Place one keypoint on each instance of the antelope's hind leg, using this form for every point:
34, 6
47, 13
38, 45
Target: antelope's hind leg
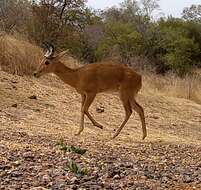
140, 111
128, 110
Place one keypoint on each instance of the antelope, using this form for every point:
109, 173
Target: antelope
95, 78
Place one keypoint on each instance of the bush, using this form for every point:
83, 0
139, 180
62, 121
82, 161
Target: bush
177, 49
120, 39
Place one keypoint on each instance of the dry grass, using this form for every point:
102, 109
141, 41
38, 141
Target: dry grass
171, 85
18, 56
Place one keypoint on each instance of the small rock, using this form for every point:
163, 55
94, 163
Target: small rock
129, 165
112, 172
14, 87
22, 134
74, 180
16, 163
3, 79
14, 106
16, 174
14, 81
143, 177
28, 155
38, 188
100, 109
187, 179
33, 97
116, 177
36, 110
45, 179
154, 116
2, 174
73, 187
165, 179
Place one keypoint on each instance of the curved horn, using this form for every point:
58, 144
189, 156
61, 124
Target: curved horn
50, 50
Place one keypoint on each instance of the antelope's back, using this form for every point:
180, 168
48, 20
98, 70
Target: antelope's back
105, 76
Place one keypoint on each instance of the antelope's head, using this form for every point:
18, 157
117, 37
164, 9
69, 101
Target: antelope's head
50, 61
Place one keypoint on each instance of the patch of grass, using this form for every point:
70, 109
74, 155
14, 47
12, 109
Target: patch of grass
74, 168
65, 148
18, 56
77, 150
172, 85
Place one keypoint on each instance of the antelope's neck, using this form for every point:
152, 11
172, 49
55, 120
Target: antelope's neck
66, 74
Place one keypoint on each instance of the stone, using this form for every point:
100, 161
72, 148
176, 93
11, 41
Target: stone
14, 105
117, 177
33, 97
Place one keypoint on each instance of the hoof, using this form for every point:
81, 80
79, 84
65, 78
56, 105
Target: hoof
101, 127
143, 137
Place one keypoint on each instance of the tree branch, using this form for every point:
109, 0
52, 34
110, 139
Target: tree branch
63, 8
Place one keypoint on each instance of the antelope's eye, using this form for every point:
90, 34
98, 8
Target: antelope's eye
47, 62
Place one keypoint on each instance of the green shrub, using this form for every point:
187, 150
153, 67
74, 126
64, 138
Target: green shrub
74, 168
65, 148
120, 39
177, 48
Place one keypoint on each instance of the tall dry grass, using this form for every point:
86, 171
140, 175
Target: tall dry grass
174, 86
18, 56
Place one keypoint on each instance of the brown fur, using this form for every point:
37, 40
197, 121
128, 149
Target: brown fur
99, 77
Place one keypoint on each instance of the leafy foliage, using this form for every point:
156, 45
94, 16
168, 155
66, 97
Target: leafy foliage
192, 13
121, 37
178, 48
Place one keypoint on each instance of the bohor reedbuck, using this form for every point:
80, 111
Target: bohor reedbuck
91, 79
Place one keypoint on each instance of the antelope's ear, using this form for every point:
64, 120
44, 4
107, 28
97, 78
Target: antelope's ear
60, 55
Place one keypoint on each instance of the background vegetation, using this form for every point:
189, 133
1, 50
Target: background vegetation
130, 33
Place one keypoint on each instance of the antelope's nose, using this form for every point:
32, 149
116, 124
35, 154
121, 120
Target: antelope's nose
35, 74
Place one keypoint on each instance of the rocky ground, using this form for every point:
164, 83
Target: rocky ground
37, 114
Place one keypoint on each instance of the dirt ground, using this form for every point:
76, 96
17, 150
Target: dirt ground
36, 113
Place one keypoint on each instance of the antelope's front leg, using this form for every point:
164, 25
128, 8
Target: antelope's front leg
82, 116
81, 124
